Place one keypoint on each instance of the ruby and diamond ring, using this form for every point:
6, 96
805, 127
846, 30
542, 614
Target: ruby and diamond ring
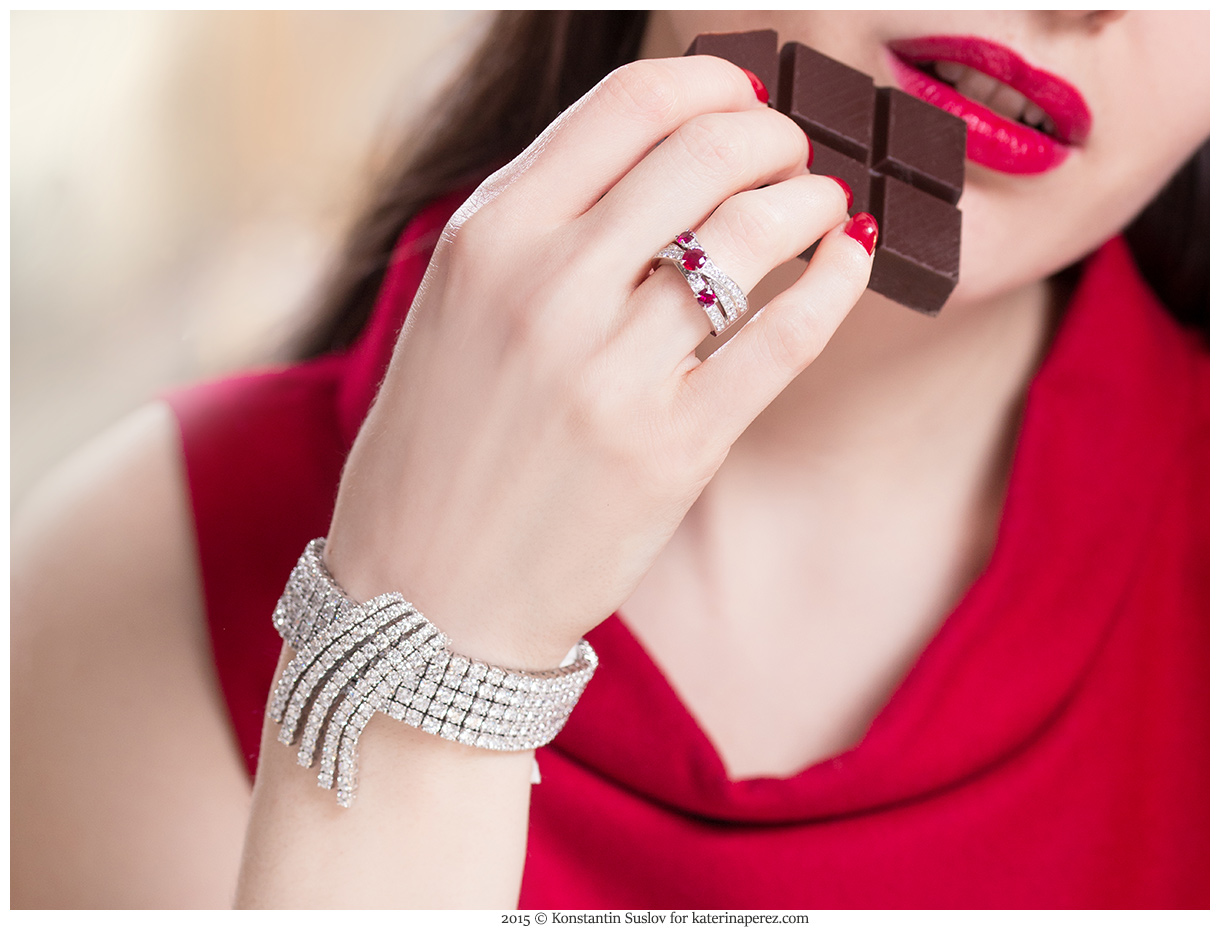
718, 294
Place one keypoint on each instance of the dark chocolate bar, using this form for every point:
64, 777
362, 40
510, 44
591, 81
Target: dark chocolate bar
904, 159
830, 101
919, 144
754, 51
917, 253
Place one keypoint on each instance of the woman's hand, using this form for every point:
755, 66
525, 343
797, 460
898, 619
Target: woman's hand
543, 428
545, 423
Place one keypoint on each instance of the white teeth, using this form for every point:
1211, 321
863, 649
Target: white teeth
977, 86
1001, 98
1033, 114
950, 71
1007, 102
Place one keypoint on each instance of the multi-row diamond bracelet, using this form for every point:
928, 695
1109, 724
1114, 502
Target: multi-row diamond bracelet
355, 659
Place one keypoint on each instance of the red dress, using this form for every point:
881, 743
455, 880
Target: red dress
1048, 749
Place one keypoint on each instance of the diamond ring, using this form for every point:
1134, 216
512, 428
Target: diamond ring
717, 293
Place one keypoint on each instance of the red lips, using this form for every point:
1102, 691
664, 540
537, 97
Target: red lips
992, 140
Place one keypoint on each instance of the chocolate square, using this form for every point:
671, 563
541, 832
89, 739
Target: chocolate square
920, 144
917, 253
829, 161
830, 101
755, 51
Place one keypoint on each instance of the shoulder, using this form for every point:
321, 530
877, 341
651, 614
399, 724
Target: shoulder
123, 486
111, 515
120, 741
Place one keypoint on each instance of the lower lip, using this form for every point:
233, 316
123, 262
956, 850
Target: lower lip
992, 141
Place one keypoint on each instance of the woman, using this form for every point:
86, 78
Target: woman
913, 616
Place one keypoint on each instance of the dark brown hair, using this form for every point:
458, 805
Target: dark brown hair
534, 64
530, 68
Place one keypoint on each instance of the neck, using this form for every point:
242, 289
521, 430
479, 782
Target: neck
895, 444
844, 525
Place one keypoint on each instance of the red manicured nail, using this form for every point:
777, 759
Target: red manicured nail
846, 188
863, 228
809, 163
760, 89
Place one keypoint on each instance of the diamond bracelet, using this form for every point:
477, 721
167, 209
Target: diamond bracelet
355, 659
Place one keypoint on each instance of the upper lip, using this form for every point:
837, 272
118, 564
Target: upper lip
1062, 102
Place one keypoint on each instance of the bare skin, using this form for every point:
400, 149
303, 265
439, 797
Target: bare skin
130, 791
855, 575
134, 494
878, 472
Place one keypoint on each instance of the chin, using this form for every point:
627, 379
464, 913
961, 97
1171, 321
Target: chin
1011, 247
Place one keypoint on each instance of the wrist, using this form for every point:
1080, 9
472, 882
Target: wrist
355, 659
484, 626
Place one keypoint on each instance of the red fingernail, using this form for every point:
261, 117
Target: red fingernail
760, 89
809, 163
863, 228
846, 188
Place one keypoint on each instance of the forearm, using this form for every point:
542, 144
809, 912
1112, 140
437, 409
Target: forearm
436, 824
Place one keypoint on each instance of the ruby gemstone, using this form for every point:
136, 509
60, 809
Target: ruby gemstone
686, 238
706, 297
693, 259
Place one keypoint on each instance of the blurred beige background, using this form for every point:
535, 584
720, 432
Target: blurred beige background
178, 183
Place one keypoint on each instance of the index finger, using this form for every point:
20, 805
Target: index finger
598, 139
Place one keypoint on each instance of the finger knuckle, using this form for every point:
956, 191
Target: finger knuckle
643, 89
752, 226
471, 236
794, 338
714, 145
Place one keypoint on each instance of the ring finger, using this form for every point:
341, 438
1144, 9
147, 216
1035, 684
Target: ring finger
746, 237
